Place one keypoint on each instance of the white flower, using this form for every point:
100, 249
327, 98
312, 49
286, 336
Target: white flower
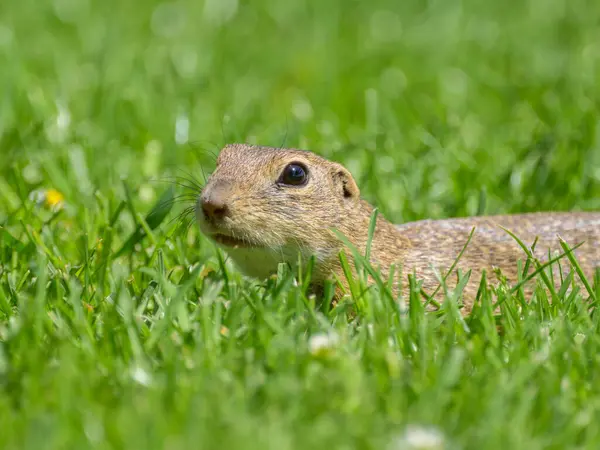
417, 437
182, 129
370, 330
93, 428
147, 194
141, 376
322, 343
63, 118
302, 109
579, 338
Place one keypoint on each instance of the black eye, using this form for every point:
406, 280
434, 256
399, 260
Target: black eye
294, 174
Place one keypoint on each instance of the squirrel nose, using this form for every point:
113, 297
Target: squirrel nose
214, 209
214, 201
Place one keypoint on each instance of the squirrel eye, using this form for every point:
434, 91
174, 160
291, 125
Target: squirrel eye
294, 174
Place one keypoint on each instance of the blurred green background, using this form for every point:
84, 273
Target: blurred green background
439, 108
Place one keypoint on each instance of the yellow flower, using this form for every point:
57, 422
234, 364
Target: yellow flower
50, 198
54, 198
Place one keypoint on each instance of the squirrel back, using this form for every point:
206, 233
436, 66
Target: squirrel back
438, 243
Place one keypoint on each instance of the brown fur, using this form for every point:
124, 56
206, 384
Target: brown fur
275, 223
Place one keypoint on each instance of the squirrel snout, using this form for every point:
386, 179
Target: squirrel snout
213, 210
214, 202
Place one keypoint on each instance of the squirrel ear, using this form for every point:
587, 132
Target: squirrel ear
345, 183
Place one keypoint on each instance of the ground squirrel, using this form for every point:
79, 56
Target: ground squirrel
266, 206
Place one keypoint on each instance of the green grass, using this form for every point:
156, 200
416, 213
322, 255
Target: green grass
439, 108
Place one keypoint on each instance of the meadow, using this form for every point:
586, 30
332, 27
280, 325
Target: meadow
122, 327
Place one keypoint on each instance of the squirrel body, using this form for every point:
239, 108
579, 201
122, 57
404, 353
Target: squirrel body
266, 206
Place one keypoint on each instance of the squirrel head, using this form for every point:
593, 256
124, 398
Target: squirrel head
266, 206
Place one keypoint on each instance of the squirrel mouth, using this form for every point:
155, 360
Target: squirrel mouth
230, 241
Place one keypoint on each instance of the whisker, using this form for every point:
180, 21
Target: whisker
187, 195
203, 174
184, 215
191, 179
287, 127
196, 146
189, 210
191, 186
223, 131
191, 182
179, 199
189, 225
178, 183
183, 225
172, 202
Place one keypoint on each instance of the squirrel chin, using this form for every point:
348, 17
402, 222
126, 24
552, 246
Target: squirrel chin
233, 242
